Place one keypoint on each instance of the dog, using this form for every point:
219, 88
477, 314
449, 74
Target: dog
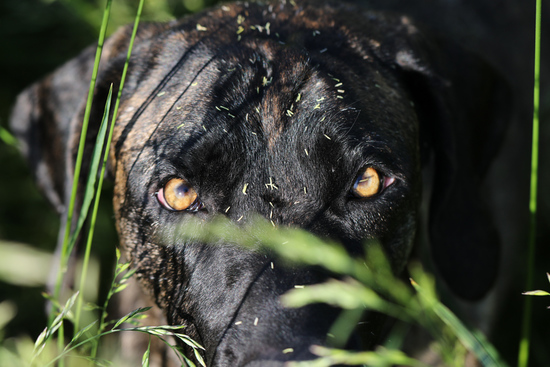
313, 115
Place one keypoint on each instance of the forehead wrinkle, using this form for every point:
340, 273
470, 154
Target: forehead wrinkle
150, 138
280, 100
140, 152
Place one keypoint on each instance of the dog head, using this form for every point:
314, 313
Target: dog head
317, 117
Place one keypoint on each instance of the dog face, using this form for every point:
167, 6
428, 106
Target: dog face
313, 117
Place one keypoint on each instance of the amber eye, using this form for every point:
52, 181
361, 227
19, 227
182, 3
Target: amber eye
178, 195
368, 184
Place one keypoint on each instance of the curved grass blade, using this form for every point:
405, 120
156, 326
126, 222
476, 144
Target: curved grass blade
7, 137
381, 357
89, 194
484, 352
145, 358
131, 315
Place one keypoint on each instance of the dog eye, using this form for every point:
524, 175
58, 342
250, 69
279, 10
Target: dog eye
178, 195
370, 183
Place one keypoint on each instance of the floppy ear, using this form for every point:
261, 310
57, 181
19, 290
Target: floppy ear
47, 120
463, 107
465, 135
47, 117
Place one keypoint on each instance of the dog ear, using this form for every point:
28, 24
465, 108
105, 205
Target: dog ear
47, 118
465, 133
463, 106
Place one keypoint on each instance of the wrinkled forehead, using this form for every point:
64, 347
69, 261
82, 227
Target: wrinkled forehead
260, 91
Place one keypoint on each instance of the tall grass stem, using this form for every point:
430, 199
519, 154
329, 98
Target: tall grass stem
76, 176
115, 112
523, 356
78, 164
100, 146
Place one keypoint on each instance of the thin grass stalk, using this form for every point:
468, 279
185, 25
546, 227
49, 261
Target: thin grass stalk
523, 356
78, 164
100, 146
109, 139
168, 331
124, 71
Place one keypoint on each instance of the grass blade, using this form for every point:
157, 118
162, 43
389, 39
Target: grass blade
115, 113
523, 355
48, 332
145, 358
7, 138
382, 357
88, 196
467, 338
131, 315
78, 164
536, 293
484, 352
84, 330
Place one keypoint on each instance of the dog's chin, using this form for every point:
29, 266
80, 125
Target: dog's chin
239, 292
235, 351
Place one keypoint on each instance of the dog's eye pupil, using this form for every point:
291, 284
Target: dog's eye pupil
367, 184
177, 194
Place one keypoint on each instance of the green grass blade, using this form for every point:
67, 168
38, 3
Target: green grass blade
484, 352
7, 138
199, 358
145, 358
348, 295
88, 196
376, 290
523, 355
157, 331
131, 315
84, 330
56, 324
125, 70
115, 113
536, 293
78, 164
90, 189
381, 357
